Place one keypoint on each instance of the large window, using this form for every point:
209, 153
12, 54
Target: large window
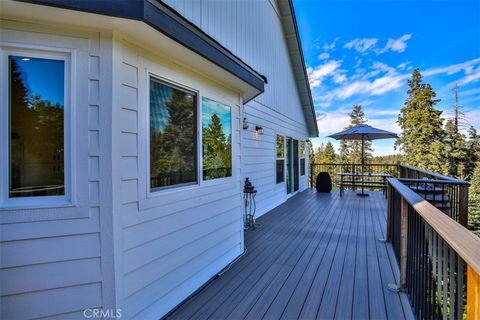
173, 150
280, 162
302, 158
216, 140
36, 127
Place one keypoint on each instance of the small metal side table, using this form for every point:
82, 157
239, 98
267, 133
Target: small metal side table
250, 207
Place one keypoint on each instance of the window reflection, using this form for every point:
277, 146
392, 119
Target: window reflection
217, 140
36, 127
172, 136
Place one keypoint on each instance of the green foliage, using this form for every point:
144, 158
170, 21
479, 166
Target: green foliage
455, 150
173, 150
351, 150
421, 140
472, 153
217, 150
325, 154
474, 201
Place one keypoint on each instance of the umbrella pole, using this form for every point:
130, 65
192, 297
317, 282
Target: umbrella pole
363, 194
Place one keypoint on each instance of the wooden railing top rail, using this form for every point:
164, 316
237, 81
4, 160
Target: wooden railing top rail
463, 241
354, 164
456, 181
433, 174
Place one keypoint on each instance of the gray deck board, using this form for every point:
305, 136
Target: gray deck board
317, 256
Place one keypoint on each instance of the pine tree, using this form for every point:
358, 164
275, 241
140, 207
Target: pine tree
455, 150
472, 153
474, 201
455, 142
329, 155
421, 140
351, 150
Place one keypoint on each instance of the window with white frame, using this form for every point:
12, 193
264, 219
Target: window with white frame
34, 128
280, 159
173, 135
216, 139
302, 158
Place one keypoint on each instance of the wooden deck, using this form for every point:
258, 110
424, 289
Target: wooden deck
315, 256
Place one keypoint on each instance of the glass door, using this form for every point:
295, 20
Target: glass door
289, 165
295, 165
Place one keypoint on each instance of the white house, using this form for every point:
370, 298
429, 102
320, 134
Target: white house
127, 130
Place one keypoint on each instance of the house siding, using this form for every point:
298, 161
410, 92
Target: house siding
50, 264
252, 30
174, 243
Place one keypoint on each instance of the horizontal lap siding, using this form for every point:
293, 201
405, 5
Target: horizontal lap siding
52, 268
172, 247
252, 30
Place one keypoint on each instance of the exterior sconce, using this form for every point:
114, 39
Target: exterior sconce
245, 123
259, 129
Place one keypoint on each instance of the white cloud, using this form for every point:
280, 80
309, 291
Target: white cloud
361, 45
339, 78
324, 56
317, 74
376, 87
466, 67
396, 45
330, 46
403, 65
472, 77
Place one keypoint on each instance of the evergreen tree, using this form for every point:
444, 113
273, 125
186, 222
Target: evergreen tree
351, 150
472, 152
474, 201
455, 144
328, 155
311, 152
217, 158
455, 149
421, 139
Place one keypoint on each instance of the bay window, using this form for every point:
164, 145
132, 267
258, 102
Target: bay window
173, 138
216, 140
35, 125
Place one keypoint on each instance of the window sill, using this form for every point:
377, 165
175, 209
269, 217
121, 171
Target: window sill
35, 209
158, 198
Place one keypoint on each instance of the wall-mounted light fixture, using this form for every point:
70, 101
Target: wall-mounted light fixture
245, 123
259, 129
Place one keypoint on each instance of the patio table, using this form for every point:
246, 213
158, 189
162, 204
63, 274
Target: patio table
364, 181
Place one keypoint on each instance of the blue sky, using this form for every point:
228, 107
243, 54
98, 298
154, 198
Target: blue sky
43, 77
365, 51
210, 107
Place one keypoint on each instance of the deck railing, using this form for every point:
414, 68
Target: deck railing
333, 169
439, 258
448, 194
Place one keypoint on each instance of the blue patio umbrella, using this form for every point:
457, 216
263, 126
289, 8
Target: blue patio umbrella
363, 132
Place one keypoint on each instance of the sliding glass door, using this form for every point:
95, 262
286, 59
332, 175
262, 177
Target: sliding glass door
295, 165
292, 165
289, 165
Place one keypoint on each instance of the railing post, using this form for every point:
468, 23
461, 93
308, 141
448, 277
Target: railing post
473, 294
463, 205
403, 243
389, 211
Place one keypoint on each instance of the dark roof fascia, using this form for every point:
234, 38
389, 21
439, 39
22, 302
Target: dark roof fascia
297, 36
167, 21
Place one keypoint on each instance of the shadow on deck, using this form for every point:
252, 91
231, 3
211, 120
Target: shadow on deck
315, 256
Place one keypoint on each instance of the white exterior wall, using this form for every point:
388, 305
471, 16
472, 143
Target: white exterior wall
54, 261
252, 30
172, 241
118, 247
